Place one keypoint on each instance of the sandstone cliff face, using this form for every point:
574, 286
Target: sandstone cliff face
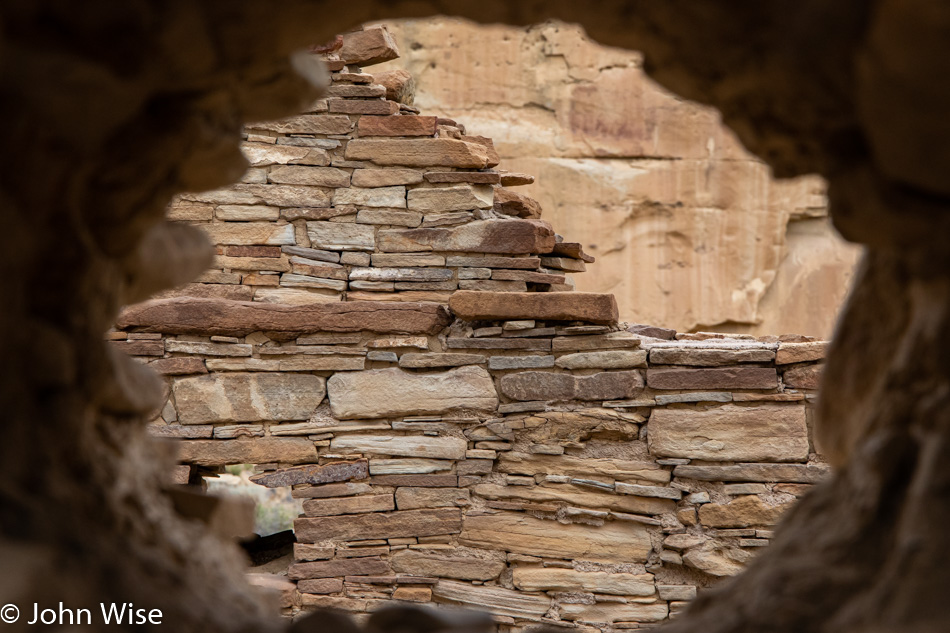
689, 229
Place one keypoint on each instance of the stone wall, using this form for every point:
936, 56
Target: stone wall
655, 186
390, 330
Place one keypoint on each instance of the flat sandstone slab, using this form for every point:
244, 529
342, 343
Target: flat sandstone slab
240, 318
247, 397
768, 433
542, 306
422, 152
522, 534
483, 236
259, 450
379, 525
713, 378
381, 393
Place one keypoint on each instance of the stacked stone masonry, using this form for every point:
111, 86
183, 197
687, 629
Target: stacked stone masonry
389, 329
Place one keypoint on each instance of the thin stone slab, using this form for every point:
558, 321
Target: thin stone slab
425, 152
402, 446
349, 505
713, 378
608, 359
313, 474
446, 565
768, 473
380, 525
434, 360
768, 433
500, 363
443, 199
495, 600
483, 236
550, 386
553, 579
341, 235
259, 450
240, 318
542, 306
708, 357
338, 567
539, 345
701, 396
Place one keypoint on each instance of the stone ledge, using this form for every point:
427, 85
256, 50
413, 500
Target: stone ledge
544, 306
239, 318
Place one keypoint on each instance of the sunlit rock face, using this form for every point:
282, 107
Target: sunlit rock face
690, 230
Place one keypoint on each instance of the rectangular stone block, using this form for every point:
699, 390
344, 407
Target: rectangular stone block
495, 600
313, 474
483, 236
249, 233
542, 306
388, 197
714, 378
377, 525
432, 360
338, 567
385, 177
553, 579
368, 46
397, 126
381, 393
593, 468
526, 263
708, 357
260, 450
447, 564
408, 466
348, 505
609, 359
341, 236
499, 363
307, 124
403, 446
536, 385
425, 152
575, 496
771, 473
768, 432
417, 481
444, 199
402, 274
614, 612
414, 498
624, 542
247, 397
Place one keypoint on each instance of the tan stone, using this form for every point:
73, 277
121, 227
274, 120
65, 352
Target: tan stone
246, 213
428, 152
708, 357
368, 47
393, 197
586, 467
308, 124
573, 495
485, 236
249, 233
800, 352
399, 84
413, 498
717, 561
259, 450
379, 525
321, 585
794, 473
397, 126
614, 612
313, 474
341, 236
617, 359
444, 199
713, 378
233, 318
519, 533
540, 385
768, 432
553, 579
808, 377
247, 397
495, 600
306, 175
382, 393
553, 306
745, 511
340, 567
509, 202
348, 505
401, 446
385, 177
446, 565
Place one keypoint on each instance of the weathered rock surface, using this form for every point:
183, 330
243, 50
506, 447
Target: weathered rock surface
553, 579
714, 378
613, 612
539, 385
247, 397
617, 359
742, 512
261, 450
522, 534
313, 474
238, 318
488, 236
554, 306
427, 152
343, 567
379, 525
731, 433
410, 446
446, 565
496, 600
388, 392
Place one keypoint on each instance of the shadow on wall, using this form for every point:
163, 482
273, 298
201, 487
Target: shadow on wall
689, 229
